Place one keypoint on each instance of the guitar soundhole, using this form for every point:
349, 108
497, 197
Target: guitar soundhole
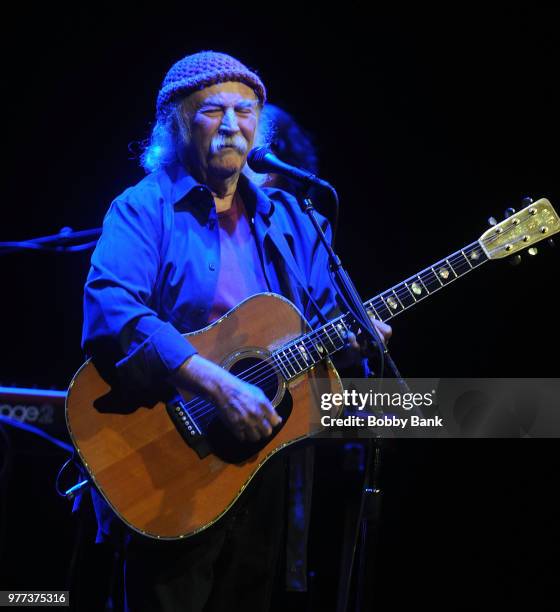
260, 373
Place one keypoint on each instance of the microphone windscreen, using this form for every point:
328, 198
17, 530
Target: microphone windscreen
256, 159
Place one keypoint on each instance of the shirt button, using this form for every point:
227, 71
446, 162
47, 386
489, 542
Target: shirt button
212, 266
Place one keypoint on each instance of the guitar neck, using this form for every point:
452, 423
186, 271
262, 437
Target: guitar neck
414, 289
300, 355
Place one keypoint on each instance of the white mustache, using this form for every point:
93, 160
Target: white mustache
236, 142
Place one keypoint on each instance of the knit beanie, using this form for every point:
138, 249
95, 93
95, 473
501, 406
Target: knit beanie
201, 70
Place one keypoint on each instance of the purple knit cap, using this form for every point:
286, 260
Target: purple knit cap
201, 70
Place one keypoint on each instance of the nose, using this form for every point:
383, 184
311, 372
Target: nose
229, 123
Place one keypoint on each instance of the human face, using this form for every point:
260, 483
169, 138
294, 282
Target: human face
222, 120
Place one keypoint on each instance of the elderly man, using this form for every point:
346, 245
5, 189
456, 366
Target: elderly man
178, 250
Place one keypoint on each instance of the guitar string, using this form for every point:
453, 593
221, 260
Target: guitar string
454, 260
267, 366
203, 407
322, 335
198, 410
400, 291
457, 259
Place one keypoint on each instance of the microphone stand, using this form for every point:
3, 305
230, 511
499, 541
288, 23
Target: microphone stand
55, 242
350, 297
369, 507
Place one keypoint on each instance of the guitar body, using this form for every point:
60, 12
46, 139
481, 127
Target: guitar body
139, 458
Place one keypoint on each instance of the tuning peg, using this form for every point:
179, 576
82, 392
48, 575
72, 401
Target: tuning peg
551, 242
492, 221
515, 260
508, 212
526, 200
533, 251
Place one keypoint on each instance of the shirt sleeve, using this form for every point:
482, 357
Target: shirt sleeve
121, 330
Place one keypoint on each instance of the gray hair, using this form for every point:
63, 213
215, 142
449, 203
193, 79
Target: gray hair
169, 133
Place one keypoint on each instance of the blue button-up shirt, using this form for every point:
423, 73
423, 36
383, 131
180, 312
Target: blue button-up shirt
154, 272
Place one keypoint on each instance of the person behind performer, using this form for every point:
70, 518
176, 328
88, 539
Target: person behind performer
287, 140
293, 144
178, 250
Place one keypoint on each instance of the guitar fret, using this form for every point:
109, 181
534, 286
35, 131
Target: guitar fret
402, 305
459, 259
404, 295
321, 351
466, 258
277, 358
330, 339
461, 268
391, 304
287, 364
294, 357
312, 346
375, 314
341, 323
420, 279
303, 353
476, 256
452, 270
320, 347
410, 291
335, 327
341, 330
430, 280
300, 355
290, 364
436, 275
384, 316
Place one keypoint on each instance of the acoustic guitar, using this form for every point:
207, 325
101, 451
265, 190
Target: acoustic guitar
171, 469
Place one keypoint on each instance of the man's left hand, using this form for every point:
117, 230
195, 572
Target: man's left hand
355, 348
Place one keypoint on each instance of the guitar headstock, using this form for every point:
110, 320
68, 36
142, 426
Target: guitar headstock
522, 229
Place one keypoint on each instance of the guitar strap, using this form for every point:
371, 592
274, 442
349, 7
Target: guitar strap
281, 244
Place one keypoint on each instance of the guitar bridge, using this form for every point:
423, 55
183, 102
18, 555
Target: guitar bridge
187, 426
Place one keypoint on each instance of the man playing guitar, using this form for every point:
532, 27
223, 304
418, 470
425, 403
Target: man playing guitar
178, 251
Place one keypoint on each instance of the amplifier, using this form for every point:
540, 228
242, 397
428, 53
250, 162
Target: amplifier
42, 408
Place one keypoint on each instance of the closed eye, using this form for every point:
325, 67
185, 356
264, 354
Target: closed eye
211, 110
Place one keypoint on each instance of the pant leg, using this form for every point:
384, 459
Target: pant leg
171, 576
246, 569
230, 566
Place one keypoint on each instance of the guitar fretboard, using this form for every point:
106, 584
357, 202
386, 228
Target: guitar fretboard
308, 350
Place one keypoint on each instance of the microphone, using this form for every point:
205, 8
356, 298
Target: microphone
262, 160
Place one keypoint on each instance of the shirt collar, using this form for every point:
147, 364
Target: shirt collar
254, 198
186, 191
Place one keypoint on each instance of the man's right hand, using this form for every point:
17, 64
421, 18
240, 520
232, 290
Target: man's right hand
243, 407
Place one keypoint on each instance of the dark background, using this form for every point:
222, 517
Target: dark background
427, 124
